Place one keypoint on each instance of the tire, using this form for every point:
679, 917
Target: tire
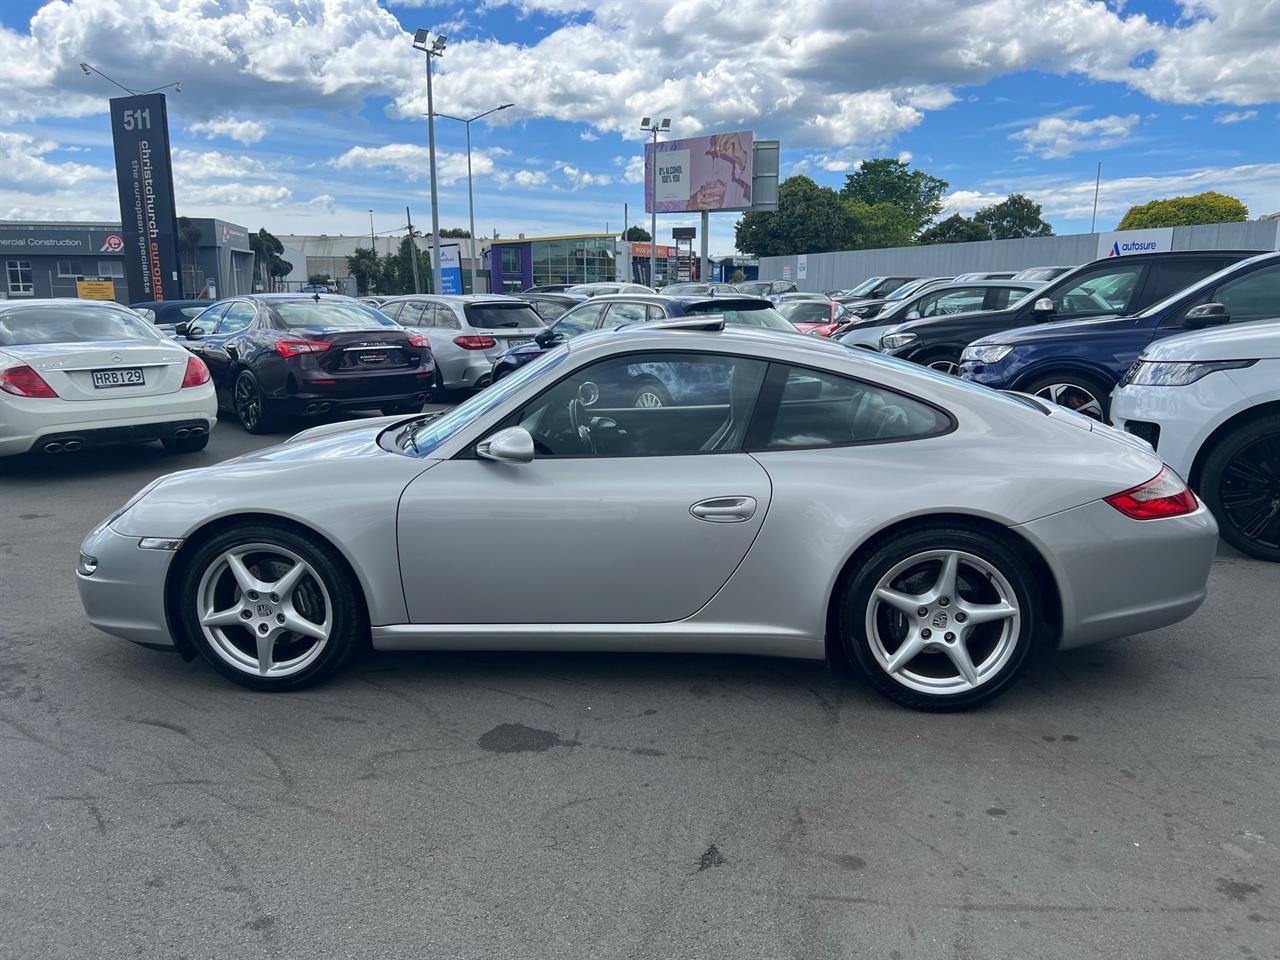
910, 564
942, 362
1075, 391
396, 409
1240, 483
250, 405
268, 553
649, 393
186, 444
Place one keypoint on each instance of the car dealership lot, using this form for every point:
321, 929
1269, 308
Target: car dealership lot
1121, 800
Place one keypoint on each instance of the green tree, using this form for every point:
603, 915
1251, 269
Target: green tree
364, 266
955, 229
809, 219
1014, 217
268, 265
637, 234
1207, 207
888, 180
874, 225
456, 233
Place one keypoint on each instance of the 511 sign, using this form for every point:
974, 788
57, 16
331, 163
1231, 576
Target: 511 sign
137, 119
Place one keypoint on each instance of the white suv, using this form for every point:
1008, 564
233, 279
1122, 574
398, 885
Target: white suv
1209, 402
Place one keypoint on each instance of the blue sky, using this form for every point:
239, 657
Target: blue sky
302, 115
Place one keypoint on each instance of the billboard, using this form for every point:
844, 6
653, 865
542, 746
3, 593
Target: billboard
699, 173
451, 268
144, 179
1119, 243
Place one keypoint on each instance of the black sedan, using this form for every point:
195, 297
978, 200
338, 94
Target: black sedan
167, 314
276, 355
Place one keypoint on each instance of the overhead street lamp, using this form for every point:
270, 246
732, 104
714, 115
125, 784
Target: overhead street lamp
435, 49
471, 197
89, 70
650, 127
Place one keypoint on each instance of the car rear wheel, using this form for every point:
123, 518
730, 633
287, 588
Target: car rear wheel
1240, 483
270, 607
250, 405
186, 444
650, 393
940, 617
1075, 391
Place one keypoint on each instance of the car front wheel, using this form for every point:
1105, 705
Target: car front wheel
940, 617
270, 607
1240, 483
1075, 391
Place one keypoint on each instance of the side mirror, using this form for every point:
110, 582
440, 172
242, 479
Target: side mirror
545, 338
1206, 315
181, 329
1042, 307
512, 445
913, 315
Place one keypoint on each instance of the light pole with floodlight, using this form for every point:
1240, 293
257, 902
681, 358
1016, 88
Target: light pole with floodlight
89, 70
653, 128
436, 49
471, 197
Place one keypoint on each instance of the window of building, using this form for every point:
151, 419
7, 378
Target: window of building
66, 269
21, 282
111, 268
511, 260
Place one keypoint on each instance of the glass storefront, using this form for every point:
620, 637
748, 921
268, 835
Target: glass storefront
573, 260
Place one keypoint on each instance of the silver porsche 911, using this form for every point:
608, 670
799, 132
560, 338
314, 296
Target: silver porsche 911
786, 497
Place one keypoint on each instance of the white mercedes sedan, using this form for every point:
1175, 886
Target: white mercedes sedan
80, 373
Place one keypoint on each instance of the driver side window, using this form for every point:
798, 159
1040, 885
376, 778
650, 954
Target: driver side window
645, 405
578, 320
205, 324
1105, 291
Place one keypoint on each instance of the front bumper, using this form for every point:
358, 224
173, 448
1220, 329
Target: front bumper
997, 376
124, 596
1118, 576
1185, 415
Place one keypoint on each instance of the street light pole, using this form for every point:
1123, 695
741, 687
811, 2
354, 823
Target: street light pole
89, 69
471, 197
435, 50
653, 129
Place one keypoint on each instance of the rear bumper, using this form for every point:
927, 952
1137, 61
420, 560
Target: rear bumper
338, 391
26, 423
124, 596
1118, 576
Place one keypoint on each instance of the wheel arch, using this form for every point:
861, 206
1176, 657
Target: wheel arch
1075, 365
1046, 583
1270, 408
211, 528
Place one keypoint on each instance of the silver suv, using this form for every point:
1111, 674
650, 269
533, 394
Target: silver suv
467, 334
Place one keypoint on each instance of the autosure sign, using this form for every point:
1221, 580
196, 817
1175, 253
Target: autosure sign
451, 268
1120, 243
700, 173
144, 178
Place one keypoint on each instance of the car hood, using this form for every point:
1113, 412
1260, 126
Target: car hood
1052, 330
1246, 341
926, 324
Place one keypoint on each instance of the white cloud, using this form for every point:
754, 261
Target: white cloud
588, 136
22, 164
1061, 136
529, 178
237, 194
1236, 116
244, 131
213, 165
322, 202
413, 161
579, 178
634, 171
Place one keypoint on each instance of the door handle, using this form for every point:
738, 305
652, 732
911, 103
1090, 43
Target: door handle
725, 509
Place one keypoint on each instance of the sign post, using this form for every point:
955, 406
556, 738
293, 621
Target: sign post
144, 179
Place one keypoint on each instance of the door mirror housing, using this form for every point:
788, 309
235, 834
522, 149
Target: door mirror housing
512, 445
547, 337
1042, 308
182, 329
1206, 315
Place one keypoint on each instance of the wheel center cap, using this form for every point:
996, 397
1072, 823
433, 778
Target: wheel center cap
940, 620
264, 610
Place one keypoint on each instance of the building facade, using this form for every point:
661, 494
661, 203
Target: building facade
42, 259
326, 255
524, 262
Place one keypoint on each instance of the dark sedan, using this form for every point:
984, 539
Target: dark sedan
274, 355
610, 312
167, 314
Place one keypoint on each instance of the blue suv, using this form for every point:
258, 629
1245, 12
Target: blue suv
1078, 363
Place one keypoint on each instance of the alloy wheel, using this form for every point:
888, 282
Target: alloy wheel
1073, 397
264, 610
248, 402
949, 367
647, 398
943, 622
1250, 493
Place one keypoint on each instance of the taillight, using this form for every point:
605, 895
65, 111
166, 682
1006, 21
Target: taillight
417, 340
294, 348
1164, 495
24, 382
197, 372
475, 343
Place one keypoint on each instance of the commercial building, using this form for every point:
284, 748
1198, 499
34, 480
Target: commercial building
43, 259
324, 254
524, 262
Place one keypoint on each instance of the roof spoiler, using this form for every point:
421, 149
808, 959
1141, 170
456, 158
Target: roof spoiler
708, 323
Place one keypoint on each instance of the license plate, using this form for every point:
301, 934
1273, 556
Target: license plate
371, 357
126, 377
519, 341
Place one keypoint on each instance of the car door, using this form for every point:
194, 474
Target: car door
625, 514
220, 350
1248, 297
1109, 289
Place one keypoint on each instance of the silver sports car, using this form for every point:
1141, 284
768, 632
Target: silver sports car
790, 497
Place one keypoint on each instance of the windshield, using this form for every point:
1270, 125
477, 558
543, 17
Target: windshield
687, 288
866, 286
907, 289
806, 311
757, 288
499, 316
435, 432
328, 313
23, 326
746, 315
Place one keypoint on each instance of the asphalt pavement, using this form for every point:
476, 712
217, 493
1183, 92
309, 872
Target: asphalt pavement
1122, 802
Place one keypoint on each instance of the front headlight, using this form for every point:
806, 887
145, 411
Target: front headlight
992, 353
1180, 373
892, 341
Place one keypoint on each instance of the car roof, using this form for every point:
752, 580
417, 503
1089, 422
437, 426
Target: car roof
194, 301
41, 302
460, 297
687, 299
